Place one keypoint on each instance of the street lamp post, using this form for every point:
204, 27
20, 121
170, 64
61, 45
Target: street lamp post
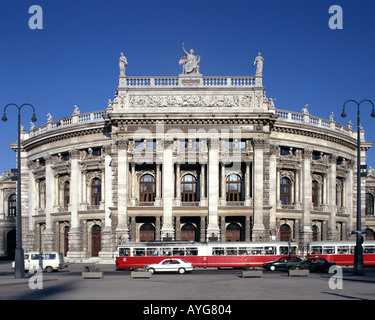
358, 251
19, 270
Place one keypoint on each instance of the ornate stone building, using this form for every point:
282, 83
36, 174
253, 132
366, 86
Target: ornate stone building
185, 158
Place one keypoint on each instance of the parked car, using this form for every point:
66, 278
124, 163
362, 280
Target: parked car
171, 265
48, 261
282, 263
317, 264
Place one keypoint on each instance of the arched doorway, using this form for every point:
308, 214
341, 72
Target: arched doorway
96, 240
285, 233
11, 244
66, 240
188, 232
147, 232
233, 232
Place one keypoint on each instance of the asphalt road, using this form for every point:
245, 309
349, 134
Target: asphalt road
205, 285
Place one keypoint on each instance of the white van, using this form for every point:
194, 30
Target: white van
48, 261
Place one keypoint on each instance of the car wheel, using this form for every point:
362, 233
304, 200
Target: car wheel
49, 269
272, 268
181, 271
152, 270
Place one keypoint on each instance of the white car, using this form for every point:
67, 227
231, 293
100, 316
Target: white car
166, 265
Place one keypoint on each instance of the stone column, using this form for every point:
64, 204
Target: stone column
32, 193
202, 229
158, 186
203, 199
332, 232
107, 247
349, 200
213, 190
247, 228
247, 184
168, 191
306, 233
122, 229
75, 233
258, 228
157, 228
50, 194
273, 185
178, 186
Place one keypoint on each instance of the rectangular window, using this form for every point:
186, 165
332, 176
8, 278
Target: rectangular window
217, 251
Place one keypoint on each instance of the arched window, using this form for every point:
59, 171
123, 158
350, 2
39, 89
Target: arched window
66, 194
315, 193
147, 188
96, 191
188, 188
285, 191
233, 188
12, 205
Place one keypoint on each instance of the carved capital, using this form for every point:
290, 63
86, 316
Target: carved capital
74, 154
259, 143
121, 143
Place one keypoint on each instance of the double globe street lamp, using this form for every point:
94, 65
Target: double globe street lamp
19, 270
358, 251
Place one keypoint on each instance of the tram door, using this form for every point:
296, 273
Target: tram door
96, 240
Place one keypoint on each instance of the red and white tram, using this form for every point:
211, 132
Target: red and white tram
342, 252
212, 254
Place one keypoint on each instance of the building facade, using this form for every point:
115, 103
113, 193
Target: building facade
191, 158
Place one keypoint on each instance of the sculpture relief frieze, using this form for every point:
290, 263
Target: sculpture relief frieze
198, 101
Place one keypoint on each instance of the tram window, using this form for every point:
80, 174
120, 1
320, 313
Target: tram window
270, 250
243, 251
153, 251
369, 249
283, 250
352, 248
231, 251
178, 251
138, 252
293, 250
343, 250
257, 250
167, 251
316, 250
217, 251
191, 251
328, 250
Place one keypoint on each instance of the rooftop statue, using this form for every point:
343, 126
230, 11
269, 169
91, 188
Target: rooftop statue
259, 63
122, 64
190, 63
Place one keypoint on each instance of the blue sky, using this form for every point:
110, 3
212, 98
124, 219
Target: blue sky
73, 60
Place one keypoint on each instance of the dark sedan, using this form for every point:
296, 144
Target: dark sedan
317, 264
282, 263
